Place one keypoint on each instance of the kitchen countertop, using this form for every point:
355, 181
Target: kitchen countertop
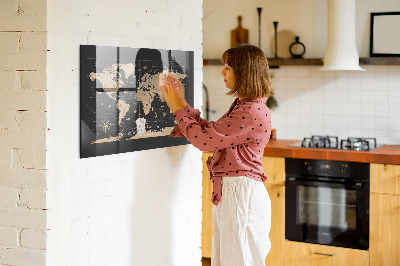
389, 154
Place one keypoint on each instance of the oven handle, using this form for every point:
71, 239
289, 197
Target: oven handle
357, 185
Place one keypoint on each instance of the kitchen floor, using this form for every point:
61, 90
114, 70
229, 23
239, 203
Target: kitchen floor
206, 261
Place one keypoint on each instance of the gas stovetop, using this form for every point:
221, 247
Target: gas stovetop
332, 142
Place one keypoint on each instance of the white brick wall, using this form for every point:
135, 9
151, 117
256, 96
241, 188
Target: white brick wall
138, 208
23, 132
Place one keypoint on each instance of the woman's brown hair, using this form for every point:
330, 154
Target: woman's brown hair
250, 66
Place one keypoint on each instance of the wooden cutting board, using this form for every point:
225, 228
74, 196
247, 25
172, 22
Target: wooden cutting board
239, 35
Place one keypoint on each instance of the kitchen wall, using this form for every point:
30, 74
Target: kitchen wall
23, 215
343, 103
138, 208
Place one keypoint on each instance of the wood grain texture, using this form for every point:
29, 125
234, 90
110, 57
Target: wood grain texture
305, 254
274, 168
384, 230
385, 178
206, 225
277, 233
389, 154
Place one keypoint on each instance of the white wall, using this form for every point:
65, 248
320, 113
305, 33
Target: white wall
138, 208
311, 102
23, 133
306, 19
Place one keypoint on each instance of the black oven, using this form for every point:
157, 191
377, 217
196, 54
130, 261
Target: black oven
327, 202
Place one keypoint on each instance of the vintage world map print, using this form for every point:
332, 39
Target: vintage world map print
122, 108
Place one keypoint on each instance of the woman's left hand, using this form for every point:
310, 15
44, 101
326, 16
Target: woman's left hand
171, 94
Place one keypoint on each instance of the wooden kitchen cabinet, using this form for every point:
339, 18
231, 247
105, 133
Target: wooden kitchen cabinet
385, 215
305, 254
206, 225
277, 233
274, 168
385, 178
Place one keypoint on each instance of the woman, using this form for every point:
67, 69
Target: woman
242, 211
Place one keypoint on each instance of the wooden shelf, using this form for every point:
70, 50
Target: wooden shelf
380, 61
273, 63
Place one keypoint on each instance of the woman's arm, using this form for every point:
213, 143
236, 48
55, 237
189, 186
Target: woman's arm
174, 94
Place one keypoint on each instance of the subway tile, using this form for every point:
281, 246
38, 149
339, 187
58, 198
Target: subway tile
394, 123
342, 109
355, 122
329, 94
394, 97
394, 110
328, 74
367, 96
304, 72
342, 96
380, 97
303, 82
381, 110
380, 84
382, 123
394, 71
291, 71
329, 109
367, 110
367, 122
316, 72
355, 132
342, 122
317, 107
329, 122
292, 82
382, 136
355, 96
367, 83
380, 71
354, 85
394, 83
394, 137
367, 133
355, 109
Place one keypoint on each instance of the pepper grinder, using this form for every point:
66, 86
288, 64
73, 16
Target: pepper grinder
259, 26
276, 38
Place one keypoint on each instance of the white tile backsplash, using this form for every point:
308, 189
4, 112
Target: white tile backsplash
343, 103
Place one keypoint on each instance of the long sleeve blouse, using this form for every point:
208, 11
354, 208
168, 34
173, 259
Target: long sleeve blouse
238, 139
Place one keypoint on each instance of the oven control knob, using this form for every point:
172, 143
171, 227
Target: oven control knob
308, 166
343, 168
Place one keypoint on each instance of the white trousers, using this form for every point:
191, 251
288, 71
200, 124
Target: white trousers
241, 223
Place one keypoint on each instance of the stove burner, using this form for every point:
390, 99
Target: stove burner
332, 142
358, 144
328, 142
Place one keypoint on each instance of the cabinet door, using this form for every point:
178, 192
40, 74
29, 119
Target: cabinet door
274, 168
385, 178
206, 225
304, 254
384, 230
277, 233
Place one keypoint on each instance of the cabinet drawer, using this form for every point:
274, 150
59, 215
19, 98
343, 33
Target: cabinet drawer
297, 254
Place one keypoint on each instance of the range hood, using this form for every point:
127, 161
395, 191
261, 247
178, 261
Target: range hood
341, 51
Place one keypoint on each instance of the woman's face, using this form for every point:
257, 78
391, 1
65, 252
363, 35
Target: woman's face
229, 76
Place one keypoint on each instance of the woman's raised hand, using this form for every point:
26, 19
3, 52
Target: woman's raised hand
174, 93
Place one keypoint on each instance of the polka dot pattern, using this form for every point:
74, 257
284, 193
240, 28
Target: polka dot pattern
238, 139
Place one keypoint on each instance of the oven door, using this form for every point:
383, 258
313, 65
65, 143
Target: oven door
327, 213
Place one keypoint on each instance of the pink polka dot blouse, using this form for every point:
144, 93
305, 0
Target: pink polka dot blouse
238, 139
